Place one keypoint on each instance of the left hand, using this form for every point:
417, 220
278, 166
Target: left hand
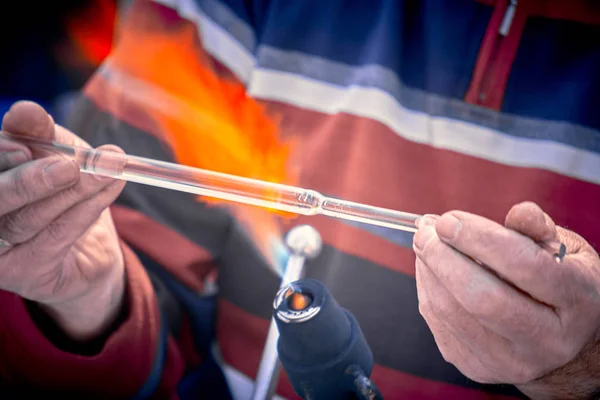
61, 247
516, 314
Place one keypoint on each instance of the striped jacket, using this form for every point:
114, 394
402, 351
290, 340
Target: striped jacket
418, 106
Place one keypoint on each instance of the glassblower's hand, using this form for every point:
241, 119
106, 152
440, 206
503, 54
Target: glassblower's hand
516, 315
58, 244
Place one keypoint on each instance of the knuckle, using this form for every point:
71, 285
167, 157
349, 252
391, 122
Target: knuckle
13, 227
21, 185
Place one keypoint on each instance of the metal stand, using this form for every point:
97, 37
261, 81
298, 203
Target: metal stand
304, 243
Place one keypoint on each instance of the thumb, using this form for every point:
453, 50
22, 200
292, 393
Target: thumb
530, 220
30, 119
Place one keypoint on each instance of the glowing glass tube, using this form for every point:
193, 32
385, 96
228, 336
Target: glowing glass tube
221, 186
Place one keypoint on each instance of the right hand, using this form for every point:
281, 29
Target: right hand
63, 250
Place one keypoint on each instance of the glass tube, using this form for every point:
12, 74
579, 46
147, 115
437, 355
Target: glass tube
221, 186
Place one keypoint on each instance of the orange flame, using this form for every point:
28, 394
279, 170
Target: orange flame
209, 122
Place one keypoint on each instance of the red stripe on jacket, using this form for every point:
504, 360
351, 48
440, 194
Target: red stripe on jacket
178, 255
118, 371
363, 160
241, 338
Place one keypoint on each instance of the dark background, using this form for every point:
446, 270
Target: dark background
40, 60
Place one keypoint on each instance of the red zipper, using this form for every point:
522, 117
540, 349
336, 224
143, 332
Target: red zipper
496, 55
503, 32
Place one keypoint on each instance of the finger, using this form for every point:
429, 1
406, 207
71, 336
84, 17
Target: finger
25, 223
427, 220
451, 348
51, 245
445, 306
530, 220
34, 181
9, 146
514, 257
479, 291
60, 235
30, 119
509, 359
12, 159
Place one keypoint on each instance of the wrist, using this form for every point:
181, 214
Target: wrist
561, 391
577, 380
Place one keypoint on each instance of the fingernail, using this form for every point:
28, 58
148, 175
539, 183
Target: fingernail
15, 158
448, 227
423, 237
426, 220
102, 178
61, 173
